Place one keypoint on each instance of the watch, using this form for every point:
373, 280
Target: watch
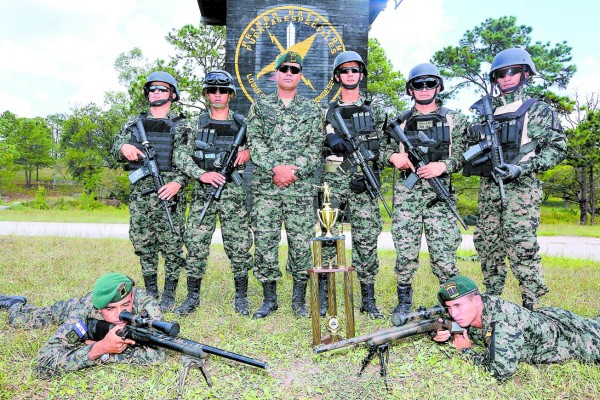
104, 357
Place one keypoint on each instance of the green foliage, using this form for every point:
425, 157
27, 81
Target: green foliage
39, 203
383, 82
467, 64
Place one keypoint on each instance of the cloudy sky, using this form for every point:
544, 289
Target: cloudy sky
58, 54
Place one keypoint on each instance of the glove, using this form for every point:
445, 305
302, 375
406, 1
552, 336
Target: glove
338, 144
509, 172
358, 185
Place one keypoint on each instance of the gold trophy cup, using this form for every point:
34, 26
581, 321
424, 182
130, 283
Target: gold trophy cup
327, 215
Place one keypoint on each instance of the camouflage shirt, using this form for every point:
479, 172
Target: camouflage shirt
124, 137
280, 135
544, 126
513, 334
65, 352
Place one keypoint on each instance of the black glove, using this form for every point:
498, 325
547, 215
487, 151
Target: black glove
358, 185
338, 144
509, 172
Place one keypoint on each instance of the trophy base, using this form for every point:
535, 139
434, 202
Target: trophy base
329, 238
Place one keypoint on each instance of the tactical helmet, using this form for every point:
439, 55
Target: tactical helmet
348, 56
161, 76
218, 78
423, 70
514, 56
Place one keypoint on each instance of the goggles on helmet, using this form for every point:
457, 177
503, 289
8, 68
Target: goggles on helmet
216, 78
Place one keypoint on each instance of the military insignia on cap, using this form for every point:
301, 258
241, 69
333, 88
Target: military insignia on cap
293, 57
452, 289
122, 290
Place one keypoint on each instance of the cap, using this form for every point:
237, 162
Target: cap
111, 288
288, 56
456, 287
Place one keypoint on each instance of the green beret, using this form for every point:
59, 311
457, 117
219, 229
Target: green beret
111, 288
456, 287
288, 56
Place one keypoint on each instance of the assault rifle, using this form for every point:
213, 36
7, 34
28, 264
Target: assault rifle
379, 342
416, 157
146, 331
150, 168
224, 163
360, 157
489, 144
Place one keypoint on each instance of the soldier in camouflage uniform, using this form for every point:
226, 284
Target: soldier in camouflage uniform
196, 147
68, 349
349, 190
418, 210
513, 334
149, 229
284, 138
532, 141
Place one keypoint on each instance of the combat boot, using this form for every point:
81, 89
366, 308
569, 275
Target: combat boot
9, 301
193, 297
150, 281
405, 293
323, 294
241, 295
298, 299
269, 304
367, 290
168, 298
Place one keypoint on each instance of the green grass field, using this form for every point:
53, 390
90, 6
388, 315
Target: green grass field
50, 269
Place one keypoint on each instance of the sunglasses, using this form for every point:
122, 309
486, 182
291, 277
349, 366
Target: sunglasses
216, 78
347, 70
511, 71
427, 83
160, 88
293, 69
213, 90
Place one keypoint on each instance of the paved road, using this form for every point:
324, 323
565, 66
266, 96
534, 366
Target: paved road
568, 246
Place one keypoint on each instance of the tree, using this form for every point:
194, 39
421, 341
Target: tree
467, 64
31, 139
383, 82
8, 151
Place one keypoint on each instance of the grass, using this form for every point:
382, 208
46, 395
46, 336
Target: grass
47, 269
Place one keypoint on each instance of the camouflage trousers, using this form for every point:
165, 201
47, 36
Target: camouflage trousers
413, 216
151, 234
298, 216
510, 232
235, 230
366, 225
38, 317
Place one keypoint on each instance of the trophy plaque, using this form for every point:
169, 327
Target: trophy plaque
327, 217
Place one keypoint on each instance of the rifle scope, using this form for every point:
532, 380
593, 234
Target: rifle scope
144, 321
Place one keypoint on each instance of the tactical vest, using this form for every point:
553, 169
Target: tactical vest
212, 138
510, 135
160, 137
359, 121
436, 145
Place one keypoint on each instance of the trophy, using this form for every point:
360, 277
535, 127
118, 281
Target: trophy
327, 215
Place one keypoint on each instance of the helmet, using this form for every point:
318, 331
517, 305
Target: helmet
514, 56
348, 56
161, 76
218, 78
422, 70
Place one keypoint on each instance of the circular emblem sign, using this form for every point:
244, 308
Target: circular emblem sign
288, 28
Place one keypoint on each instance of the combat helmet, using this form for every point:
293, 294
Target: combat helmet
218, 78
424, 70
348, 56
514, 56
161, 76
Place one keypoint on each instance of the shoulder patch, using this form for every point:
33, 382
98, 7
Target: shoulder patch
78, 332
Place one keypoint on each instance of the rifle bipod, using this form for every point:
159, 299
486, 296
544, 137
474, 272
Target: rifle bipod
383, 350
189, 361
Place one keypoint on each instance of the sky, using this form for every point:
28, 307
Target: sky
58, 55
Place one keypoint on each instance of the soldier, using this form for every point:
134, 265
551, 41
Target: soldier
349, 190
148, 228
285, 142
67, 349
418, 210
196, 152
532, 142
513, 334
